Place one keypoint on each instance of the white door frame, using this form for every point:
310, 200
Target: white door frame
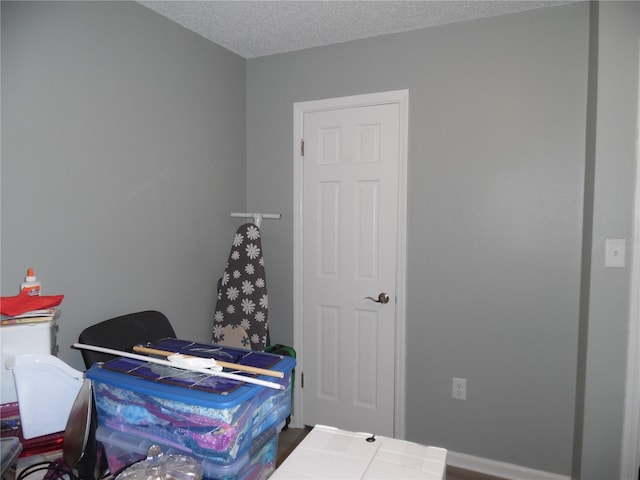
401, 97
630, 460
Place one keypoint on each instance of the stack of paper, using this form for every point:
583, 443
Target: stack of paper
33, 316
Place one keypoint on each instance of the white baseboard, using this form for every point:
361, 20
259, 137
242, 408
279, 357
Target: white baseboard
499, 469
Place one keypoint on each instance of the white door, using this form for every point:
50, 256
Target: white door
350, 206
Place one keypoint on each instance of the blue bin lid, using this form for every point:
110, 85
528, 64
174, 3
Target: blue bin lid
200, 389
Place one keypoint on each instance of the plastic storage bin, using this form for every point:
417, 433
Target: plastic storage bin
258, 462
208, 416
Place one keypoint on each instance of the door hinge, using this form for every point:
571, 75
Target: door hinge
302, 148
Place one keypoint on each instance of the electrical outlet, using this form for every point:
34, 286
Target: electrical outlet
614, 252
459, 391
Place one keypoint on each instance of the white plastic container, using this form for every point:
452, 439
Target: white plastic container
30, 285
46, 388
329, 453
20, 339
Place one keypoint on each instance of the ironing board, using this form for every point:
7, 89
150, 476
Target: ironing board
241, 315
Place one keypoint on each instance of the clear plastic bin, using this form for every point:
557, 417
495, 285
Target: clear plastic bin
257, 463
218, 426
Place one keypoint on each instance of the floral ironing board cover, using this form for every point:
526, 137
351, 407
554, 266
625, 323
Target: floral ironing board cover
241, 315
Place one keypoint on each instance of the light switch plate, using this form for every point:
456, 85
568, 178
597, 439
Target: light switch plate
614, 255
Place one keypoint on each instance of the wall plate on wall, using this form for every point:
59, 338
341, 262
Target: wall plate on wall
614, 252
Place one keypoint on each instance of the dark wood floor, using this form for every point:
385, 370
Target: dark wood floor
454, 473
288, 440
291, 437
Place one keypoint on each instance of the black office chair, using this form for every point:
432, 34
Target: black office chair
123, 333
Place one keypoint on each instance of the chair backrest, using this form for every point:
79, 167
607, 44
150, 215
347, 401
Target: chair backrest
123, 333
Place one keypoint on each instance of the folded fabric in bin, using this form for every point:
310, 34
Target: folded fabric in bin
258, 462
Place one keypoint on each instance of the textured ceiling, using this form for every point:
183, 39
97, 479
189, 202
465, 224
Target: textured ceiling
264, 27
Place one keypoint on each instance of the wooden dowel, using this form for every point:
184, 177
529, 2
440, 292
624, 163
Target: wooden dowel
214, 373
232, 366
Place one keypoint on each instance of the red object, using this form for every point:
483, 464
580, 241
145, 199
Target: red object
11, 427
24, 302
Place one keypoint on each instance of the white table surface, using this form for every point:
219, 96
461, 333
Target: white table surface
328, 453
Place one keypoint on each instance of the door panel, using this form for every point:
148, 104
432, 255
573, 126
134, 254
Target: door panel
349, 237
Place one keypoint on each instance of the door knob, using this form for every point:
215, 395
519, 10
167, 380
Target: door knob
382, 298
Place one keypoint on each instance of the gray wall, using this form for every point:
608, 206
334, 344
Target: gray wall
123, 153
497, 149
